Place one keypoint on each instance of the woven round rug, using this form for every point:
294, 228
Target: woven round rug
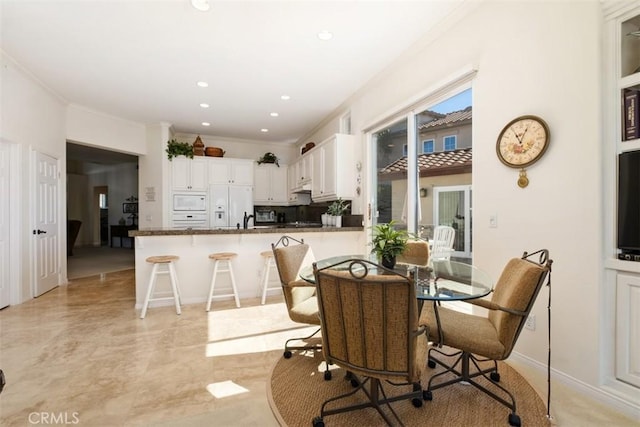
297, 390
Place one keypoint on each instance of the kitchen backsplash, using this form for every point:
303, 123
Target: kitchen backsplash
306, 213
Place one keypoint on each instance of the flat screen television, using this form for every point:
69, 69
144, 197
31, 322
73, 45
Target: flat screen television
629, 202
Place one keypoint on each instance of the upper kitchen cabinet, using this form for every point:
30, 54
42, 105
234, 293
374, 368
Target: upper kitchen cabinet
189, 174
300, 172
230, 171
270, 185
333, 169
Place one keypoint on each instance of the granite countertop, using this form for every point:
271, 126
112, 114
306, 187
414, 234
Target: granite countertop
250, 230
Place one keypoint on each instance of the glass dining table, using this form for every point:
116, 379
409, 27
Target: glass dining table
442, 280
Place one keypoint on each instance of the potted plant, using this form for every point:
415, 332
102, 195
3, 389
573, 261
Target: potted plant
269, 158
175, 148
336, 210
387, 243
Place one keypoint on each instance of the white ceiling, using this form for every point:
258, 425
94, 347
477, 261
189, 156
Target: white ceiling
140, 60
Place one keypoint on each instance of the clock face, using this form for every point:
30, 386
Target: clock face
522, 141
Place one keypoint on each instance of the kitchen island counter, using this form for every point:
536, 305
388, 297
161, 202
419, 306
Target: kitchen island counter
194, 268
260, 229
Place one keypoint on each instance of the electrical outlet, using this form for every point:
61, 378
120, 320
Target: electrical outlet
531, 322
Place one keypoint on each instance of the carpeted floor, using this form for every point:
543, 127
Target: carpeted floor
297, 390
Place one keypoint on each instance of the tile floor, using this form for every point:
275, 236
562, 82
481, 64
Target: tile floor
80, 354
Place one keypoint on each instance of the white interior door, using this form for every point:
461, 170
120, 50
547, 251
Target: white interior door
46, 223
5, 201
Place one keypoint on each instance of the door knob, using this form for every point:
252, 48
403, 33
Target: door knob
42, 232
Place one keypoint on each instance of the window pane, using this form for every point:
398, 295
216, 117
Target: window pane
449, 143
428, 146
390, 144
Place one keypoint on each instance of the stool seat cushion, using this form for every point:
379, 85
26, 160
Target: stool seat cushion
267, 254
223, 255
162, 259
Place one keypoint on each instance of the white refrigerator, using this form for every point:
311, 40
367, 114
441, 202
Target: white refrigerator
228, 204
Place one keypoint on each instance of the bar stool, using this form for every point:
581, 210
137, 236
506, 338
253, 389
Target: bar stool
269, 262
164, 261
222, 257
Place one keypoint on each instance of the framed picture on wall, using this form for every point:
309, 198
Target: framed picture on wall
130, 207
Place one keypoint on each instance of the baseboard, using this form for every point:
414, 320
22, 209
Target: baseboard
618, 396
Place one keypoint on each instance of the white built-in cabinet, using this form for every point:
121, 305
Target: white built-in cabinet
189, 174
622, 278
270, 185
628, 328
231, 171
333, 169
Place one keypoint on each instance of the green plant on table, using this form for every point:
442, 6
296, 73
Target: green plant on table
387, 242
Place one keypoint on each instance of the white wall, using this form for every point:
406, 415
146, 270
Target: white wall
101, 130
33, 119
537, 58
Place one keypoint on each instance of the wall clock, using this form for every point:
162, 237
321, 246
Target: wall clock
521, 143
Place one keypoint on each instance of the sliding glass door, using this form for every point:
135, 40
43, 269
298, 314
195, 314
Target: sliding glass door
416, 156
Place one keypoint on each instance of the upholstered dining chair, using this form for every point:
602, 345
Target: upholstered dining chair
443, 239
416, 253
486, 338
369, 318
290, 256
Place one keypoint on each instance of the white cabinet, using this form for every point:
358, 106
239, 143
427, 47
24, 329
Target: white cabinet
333, 169
189, 174
230, 171
622, 75
295, 197
628, 328
301, 171
270, 185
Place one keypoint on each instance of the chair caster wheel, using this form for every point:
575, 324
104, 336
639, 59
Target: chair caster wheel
427, 395
327, 375
287, 354
354, 382
317, 422
494, 376
431, 364
514, 420
416, 402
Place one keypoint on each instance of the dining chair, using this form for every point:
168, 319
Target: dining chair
443, 240
291, 255
486, 338
370, 328
416, 253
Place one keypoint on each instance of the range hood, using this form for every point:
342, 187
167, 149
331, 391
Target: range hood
305, 189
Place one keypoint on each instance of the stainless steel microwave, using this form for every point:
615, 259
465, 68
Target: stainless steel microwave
190, 202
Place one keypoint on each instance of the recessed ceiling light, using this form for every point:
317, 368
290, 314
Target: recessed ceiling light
325, 35
285, 97
202, 5
274, 114
203, 84
206, 124
204, 105
264, 130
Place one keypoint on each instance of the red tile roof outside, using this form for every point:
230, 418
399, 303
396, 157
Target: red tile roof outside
449, 119
433, 162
